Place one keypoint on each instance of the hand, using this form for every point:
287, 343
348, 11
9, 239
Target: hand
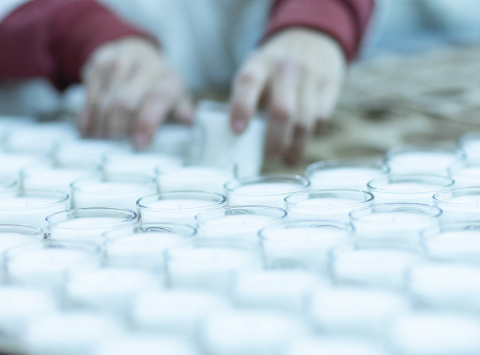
299, 72
130, 91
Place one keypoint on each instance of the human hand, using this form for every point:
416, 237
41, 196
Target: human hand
130, 91
299, 73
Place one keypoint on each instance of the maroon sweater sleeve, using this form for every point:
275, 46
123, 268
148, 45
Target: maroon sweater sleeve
344, 20
54, 38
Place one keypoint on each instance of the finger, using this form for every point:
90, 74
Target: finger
328, 91
295, 152
247, 89
184, 112
283, 105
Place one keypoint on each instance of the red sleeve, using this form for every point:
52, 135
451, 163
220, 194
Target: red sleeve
344, 20
54, 38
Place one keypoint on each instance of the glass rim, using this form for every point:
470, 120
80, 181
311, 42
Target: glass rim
326, 191
379, 164
390, 207
223, 200
409, 178
457, 226
106, 178
189, 167
231, 186
5, 228
11, 184
111, 235
65, 198
437, 198
228, 243
199, 217
57, 225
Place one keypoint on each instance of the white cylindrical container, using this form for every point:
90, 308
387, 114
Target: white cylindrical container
264, 190
89, 224
408, 188
193, 178
458, 204
210, 264
431, 333
178, 207
328, 204
216, 145
421, 160
303, 244
332, 345
31, 207
114, 191
242, 222
465, 173
344, 174
393, 225
77, 151
249, 332
174, 311
140, 163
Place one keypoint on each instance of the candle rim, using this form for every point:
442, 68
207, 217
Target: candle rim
326, 191
377, 164
399, 178
218, 204
198, 217
142, 180
260, 179
390, 207
57, 225
65, 198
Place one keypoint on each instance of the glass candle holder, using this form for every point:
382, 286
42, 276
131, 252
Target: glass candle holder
383, 268
31, 207
328, 204
9, 186
68, 333
89, 223
241, 222
13, 163
142, 163
114, 191
109, 290
421, 160
408, 188
210, 264
193, 178
354, 311
445, 286
146, 245
178, 207
175, 311
465, 173
249, 332
334, 345
393, 225
458, 204
264, 190
429, 333
44, 263
303, 244
344, 174
77, 151
470, 145
283, 290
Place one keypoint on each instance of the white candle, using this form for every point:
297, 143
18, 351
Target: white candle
140, 163
354, 311
77, 151
343, 174
264, 190
458, 204
328, 204
393, 225
465, 174
209, 266
31, 207
408, 188
372, 267
175, 311
303, 244
70, 333
334, 346
453, 244
249, 332
108, 289
284, 290
193, 178
146, 345
430, 333
237, 222
446, 286
89, 224
179, 207
13, 163
115, 191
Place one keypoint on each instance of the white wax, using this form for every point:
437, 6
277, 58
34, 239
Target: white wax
140, 163
446, 286
411, 192
354, 178
330, 208
108, 289
334, 346
194, 179
249, 332
461, 245
87, 150
13, 163
262, 194
466, 177
210, 268
355, 311
460, 208
9, 240
72, 333
176, 311
52, 178
419, 162
285, 290
429, 333
373, 267
26, 139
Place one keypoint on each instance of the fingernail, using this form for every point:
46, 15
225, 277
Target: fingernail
140, 140
239, 125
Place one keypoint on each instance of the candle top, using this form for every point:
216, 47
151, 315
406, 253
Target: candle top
9, 240
346, 174
180, 204
108, 187
150, 242
397, 217
407, 187
420, 161
455, 241
235, 224
330, 202
197, 173
57, 258
21, 202
472, 172
373, 259
473, 199
268, 188
89, 222
218, 257
327, 236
